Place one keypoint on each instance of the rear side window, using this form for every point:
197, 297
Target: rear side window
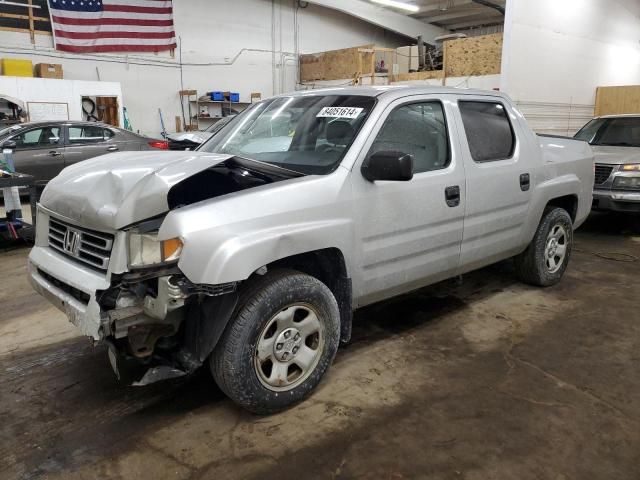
489, 132
86, 134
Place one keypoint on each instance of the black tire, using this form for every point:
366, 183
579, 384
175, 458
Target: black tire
531, 265
233, 362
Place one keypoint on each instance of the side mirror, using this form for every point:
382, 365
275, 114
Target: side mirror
390, 166
10, 145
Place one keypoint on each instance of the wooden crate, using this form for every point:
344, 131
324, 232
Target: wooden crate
617, 100
336, 64
473, 56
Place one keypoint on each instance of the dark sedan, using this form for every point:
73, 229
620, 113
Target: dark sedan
43, 149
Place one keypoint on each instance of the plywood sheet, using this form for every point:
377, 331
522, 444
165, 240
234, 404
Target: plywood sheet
428, 75
336, 64
473, 56
617, 100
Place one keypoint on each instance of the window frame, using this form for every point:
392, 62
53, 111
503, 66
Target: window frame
514, 137
449, 158
37, 146
68, 142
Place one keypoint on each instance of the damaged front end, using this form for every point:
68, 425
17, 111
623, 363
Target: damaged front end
98, 257
159, 325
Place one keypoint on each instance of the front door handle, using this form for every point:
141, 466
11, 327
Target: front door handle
53, 153
112, 149
452, 196
525, 182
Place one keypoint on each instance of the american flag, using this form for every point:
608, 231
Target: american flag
82, 26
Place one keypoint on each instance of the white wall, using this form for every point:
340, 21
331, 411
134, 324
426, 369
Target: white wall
59, 91
556, 52
213, 36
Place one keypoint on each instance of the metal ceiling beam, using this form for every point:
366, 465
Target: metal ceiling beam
384, 17
436, 8
493, 5
477, 23
459, 14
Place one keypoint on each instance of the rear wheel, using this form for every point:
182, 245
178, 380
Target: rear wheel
546, 258
282, 338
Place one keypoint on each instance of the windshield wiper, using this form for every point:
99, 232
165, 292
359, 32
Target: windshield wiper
264, 167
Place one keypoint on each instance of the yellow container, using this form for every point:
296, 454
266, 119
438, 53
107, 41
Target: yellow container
16, 67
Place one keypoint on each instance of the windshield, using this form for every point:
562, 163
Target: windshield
616, 132
309, 134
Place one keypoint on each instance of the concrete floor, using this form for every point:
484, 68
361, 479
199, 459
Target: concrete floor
488, 379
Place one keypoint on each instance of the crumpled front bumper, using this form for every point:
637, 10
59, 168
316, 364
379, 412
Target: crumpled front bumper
70, 287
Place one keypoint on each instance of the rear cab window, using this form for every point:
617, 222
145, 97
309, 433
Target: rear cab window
488, 130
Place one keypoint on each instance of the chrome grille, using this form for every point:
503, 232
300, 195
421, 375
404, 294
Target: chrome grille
85, 246
603, 172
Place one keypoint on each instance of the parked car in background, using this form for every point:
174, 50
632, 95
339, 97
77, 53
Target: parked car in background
251, 254
192, 140
615, 140
43, 149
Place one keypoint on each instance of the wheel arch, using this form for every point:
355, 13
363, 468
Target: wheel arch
569, 203
329, 266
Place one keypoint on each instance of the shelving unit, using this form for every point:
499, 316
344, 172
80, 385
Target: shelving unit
202, 112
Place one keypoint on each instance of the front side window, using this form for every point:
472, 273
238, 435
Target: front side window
417, 129
38, 137
612, 132
86, 134
307, 134
488, 129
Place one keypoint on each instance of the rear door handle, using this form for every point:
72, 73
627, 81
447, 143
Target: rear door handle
525, 182
452, 196
112, 149
53, 153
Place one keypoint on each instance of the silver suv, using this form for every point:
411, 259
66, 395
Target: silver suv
252, 253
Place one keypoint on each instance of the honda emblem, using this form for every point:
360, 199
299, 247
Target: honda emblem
71, 242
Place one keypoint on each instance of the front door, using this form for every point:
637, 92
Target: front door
410, 233
39, 152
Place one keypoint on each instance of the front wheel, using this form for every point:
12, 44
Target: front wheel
279, 343
546, 258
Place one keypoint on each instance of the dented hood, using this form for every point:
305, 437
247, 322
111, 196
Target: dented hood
116, 190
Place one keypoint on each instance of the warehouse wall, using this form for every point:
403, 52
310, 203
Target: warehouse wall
557, 52
213, 36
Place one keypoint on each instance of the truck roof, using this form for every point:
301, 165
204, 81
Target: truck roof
394, 90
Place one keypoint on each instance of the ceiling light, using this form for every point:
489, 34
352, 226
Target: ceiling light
396, 4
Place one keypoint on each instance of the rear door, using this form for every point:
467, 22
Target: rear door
499, 177
86, 141
410, 232
39, 152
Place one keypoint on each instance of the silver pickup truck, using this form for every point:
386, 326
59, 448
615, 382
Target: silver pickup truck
252, 254
615, 140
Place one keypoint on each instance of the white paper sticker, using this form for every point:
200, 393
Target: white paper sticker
340, 112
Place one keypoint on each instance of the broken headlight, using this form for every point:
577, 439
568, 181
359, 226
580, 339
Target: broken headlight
146, 250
